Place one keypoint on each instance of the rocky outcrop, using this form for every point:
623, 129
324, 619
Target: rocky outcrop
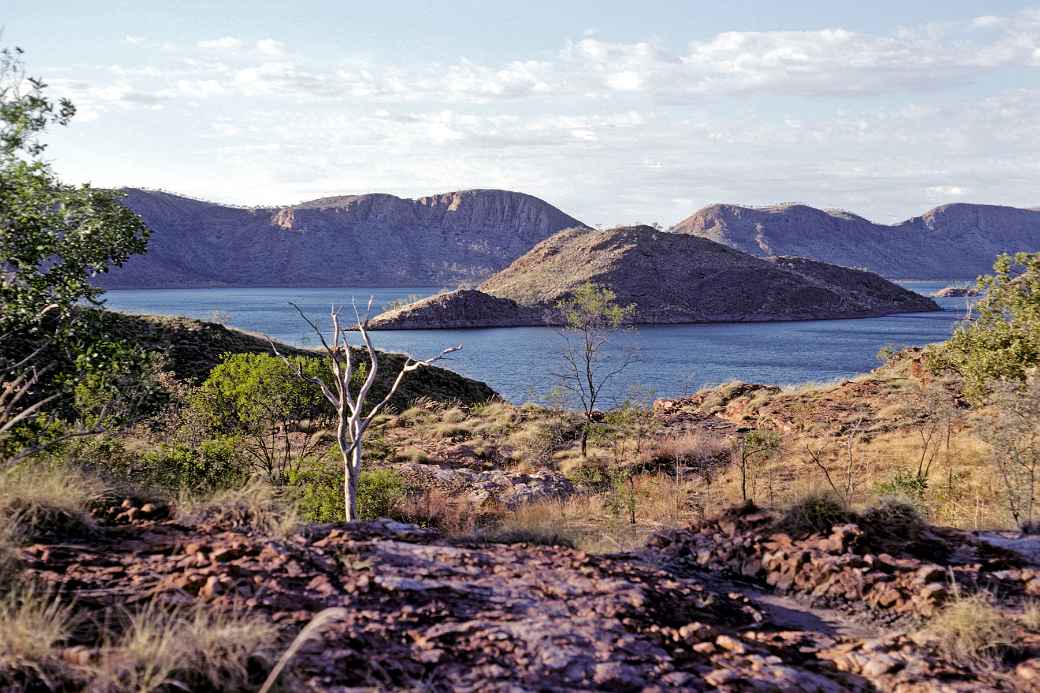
953, 241
956, 292
493, 486
355, 240
670, 278
420, 610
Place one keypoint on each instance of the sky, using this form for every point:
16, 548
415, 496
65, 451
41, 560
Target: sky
616, 112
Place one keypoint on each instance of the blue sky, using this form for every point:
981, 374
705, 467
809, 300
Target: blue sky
617, 112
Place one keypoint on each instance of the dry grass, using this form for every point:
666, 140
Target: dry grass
1030, 617
453, 416
188, 649
699, 450
810, 386
48, 497
255, 506
10, 539
411, 454
436, 509
452, 431
544, 523
970, 627
32, 625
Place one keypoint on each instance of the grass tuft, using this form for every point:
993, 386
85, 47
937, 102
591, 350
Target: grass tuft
255, 506
190, 649
971, 628
49, 498
34, 623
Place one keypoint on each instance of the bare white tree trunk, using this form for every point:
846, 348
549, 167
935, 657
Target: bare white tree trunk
352, 419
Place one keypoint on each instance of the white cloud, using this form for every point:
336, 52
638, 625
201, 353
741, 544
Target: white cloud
225, 42
134, 40
199, 88
948, 190
270, 47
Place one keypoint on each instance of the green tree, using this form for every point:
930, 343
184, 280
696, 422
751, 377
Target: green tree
1001, 341
54, 238
590, 316
276, 413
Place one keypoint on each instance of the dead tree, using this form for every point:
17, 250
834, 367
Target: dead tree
351, 418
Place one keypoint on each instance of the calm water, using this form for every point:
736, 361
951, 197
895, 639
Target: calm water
518, 362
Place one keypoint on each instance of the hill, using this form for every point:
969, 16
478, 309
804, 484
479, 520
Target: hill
957, 241
670, 277
355, 240
194, 347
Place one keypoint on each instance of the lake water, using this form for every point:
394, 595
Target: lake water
519, 362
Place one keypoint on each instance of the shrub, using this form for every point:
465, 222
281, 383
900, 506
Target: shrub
275, 414
905, 484
117, 384
893, 519
214, 465
814, 514
317, 489
1013, 434
379, 492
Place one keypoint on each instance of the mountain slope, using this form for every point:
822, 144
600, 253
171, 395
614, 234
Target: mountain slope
670, 277
958, 241
367, 240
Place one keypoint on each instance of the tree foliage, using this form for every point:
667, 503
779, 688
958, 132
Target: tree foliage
262, 399
1001, 341
54, 238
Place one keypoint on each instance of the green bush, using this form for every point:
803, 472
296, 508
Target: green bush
317, 488
379, 492
905, 484
213, 465
249, 390
275, 413
1002, 341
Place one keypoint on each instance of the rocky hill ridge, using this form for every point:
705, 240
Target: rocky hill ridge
359, 240
954, 241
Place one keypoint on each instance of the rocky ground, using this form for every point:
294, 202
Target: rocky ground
698, 609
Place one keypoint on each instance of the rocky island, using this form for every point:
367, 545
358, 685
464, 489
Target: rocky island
956, 292
670, 278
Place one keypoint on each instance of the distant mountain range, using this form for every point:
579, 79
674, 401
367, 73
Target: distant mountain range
466, 236
355, 240
669, 278
958, 241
